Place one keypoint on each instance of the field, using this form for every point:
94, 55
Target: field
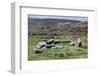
68, 52
70, 32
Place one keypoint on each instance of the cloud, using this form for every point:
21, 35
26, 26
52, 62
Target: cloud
79, 18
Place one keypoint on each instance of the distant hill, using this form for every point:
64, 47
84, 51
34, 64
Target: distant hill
50, 21
57, 26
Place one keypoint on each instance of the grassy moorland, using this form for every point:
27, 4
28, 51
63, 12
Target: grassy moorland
68, 52
59, 29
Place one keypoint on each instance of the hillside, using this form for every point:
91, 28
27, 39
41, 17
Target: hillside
57, 26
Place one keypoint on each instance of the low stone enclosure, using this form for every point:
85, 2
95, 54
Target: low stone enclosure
53, 44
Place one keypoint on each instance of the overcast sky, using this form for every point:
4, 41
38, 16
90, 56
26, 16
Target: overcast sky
79, 18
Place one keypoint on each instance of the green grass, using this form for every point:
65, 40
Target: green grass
68, 52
